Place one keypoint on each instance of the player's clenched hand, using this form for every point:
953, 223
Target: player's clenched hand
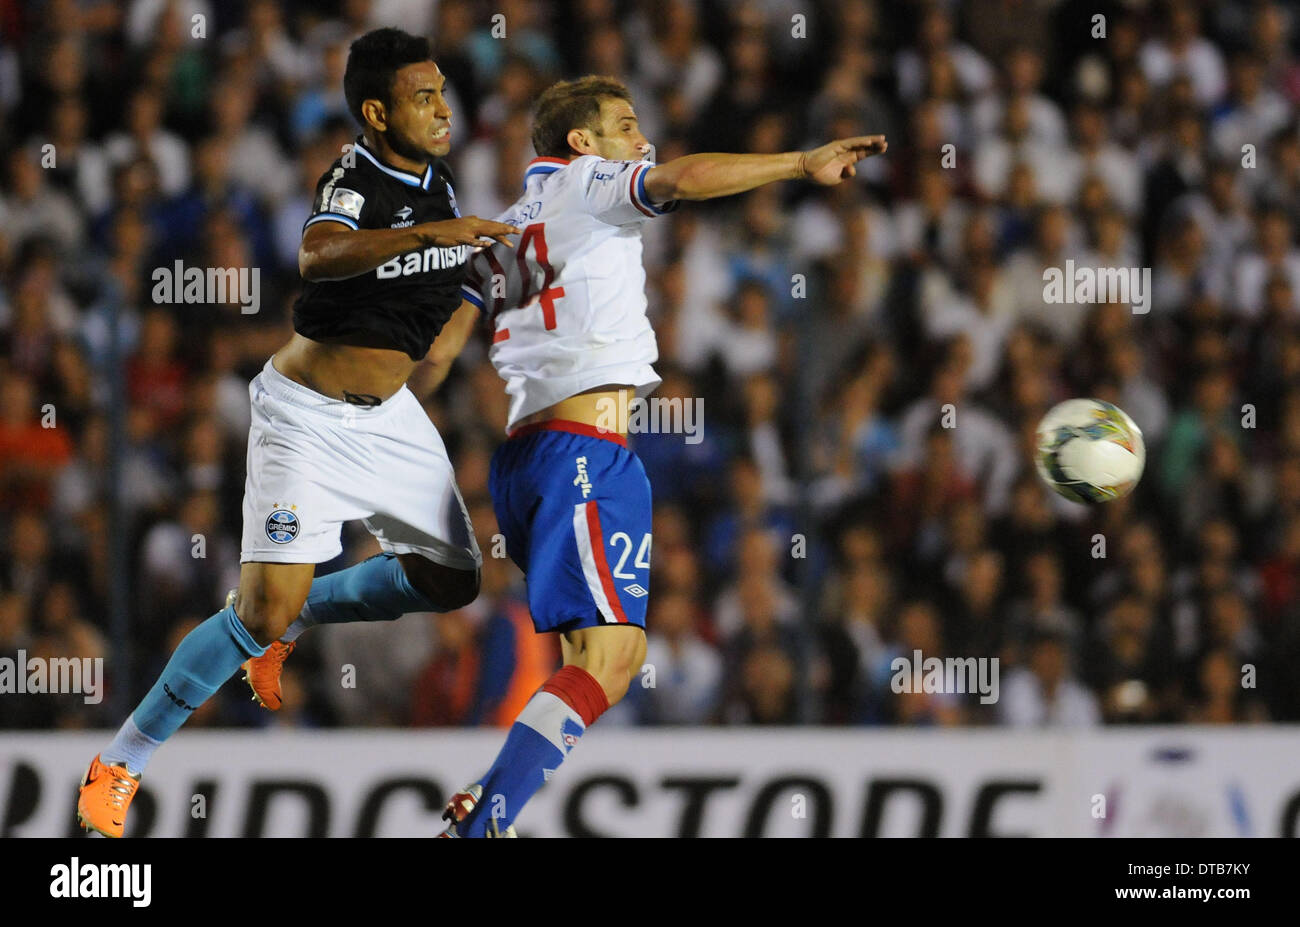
467, 230
831, 163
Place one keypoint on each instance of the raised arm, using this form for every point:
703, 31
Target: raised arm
334, 251
705, 176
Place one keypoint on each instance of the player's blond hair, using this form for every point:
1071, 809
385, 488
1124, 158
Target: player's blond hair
572, 104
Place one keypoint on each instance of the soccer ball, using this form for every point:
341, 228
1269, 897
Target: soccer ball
1090, 451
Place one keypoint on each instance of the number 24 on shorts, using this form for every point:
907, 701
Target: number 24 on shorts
642, 561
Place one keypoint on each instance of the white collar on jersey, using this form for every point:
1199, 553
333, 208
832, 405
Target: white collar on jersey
540, 167
406, 177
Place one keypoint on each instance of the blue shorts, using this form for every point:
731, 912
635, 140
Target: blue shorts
574, 506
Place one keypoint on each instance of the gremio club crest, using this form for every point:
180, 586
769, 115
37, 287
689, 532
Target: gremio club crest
282, 525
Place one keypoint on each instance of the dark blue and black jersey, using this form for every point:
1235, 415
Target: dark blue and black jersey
403, 303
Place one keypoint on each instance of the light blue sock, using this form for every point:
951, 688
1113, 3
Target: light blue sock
373, 590
204, 659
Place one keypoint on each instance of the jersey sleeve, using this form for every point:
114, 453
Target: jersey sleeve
614, 191
476, 279
343, 195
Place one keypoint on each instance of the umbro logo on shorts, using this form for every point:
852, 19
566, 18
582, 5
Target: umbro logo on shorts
282, 526
636, 591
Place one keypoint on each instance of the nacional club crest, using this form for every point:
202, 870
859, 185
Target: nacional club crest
570, 731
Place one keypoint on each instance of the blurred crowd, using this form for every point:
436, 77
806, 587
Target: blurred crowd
828, 522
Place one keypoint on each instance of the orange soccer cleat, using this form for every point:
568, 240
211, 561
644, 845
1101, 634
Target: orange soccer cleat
263, 674
106, 793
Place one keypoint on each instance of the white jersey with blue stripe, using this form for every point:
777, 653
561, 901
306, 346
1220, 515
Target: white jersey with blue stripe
568, 303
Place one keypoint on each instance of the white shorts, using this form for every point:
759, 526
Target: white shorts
316, 462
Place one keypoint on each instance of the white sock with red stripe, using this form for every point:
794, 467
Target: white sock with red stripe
546, 730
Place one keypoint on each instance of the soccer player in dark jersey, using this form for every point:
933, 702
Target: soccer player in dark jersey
336, 435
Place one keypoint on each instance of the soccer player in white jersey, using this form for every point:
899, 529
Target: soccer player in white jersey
574, 346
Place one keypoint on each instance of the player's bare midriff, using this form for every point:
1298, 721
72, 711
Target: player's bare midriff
337, 370
595, 407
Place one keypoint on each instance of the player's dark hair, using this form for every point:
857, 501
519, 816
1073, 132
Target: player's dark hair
572, 104
373, 63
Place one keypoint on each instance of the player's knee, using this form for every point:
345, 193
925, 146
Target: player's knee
461, 589
616, 685
446, 587
638, 661
617, 663
265, 613
617, 679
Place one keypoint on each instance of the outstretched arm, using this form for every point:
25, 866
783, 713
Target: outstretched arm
333, 251
705, 176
